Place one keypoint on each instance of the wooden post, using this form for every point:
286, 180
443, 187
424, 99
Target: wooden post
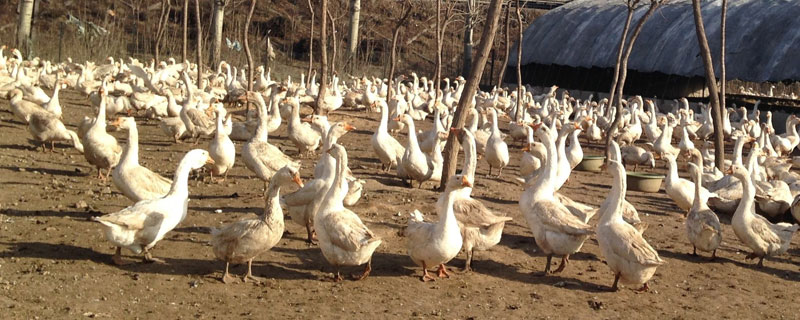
711, 83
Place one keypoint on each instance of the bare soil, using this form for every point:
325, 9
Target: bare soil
55, 263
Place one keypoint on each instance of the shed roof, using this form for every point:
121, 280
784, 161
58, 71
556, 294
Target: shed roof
763, 38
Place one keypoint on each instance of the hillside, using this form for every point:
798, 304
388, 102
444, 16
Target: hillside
131, 27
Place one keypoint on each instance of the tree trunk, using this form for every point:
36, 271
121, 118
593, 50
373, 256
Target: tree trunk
247, 48
624, 71
185, 51
24, 27
355, 15
323, 64
468, 26
711, 83
470, 88
199, 43
333, 43
218, 20
504, 66
722, 76
396, 34
310, 45
620, 49
161, 29
518, 115
437, 77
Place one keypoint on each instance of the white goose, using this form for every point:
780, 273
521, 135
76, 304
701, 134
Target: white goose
100, 148
626, 252
702, 224
133, 180
555, 229
417, 165
496, 148
764, 238
343, 237
431, 244
389, 151
140, 226
679, 189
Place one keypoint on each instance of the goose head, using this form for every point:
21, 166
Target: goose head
287, 175
125, 123
458, 181
197, 158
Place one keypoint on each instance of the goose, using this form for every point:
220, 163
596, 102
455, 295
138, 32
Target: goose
481, 135
221, 149
435, 135
702, 225
389, 151
261, 157
686, 144
785, 143
22, 109
637, 156
496, 148
343, 238
626, 252
663, 145
417, 165
431, 244
564, 168
53, 105
197, 123
555, 229
133, 180
246, 239
765, 239
173, 127
679, 189
47, 127
305, 138
532, 156
574, 150
481, 229
140, 226
100, 148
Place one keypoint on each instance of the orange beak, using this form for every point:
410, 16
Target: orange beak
297, 180
465, 182
729, 170
117, 122
536, 126
396, 119
526, 148
348, 127
209, 160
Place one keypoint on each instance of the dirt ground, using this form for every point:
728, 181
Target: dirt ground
55, 263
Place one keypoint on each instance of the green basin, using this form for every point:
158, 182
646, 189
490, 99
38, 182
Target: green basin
591, 163
644, 182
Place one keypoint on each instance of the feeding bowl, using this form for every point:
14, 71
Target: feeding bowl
590, 163
644, 182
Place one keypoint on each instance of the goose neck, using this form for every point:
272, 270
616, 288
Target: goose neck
130, 155
180, 188
616, 196
338, 190
272, 210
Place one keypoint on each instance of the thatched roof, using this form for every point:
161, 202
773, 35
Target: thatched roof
763, 38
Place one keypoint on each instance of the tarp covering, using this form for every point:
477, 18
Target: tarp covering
763, 38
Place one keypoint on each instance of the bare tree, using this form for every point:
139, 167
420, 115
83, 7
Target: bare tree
334, 43
24, 26
722, 76
623, 70
161, 29
199, 43
247, 47
310, 44
185, 52
469, 24
518, 115
507, 46
631, 7
323, 65
441, 27
407, 7
470, 88
711, 83
355, 16
218, 20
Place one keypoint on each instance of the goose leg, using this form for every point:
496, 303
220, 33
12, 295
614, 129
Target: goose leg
761, 262
311, 234
490, 170
99, 174
108, 173
337, 276
500, 173
713, 255
547, 266
249, 274
365, 274
615, 287
425, 275
468, 263
644, 288
564, 261
443, 271
52, 146
148, 258
694, 251
226, 278
117, 258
